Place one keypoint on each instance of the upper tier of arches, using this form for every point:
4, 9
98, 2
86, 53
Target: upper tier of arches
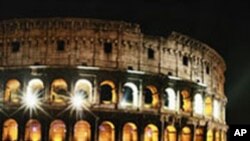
108, 44
119, 91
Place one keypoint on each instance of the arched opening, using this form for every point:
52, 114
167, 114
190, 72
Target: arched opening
129, 132
170, 133
170, 99
59, 91
198, 104
210, 135
151, 97
208, 106
33, 130
12, 91
217, 135
83, 87
199, 133
151, 133
57, 131
82, 131
216, 109
223, 136
10, 130
108, 93
35, 86
130, 95
106, 132
186, 104
186, 134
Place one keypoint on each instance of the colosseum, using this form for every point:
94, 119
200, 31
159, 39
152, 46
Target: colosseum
77, 79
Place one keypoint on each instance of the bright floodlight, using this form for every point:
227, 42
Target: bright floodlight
30, 100
77, 101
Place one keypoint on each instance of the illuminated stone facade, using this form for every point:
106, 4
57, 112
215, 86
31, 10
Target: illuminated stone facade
72, 79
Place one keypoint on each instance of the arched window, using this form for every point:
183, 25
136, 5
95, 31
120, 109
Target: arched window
129, 132
170, 99
199, 133
170, 133
151, 133
82, 131
10, 130
83, 87
208, 106
106, 131
57, 131
198, 104
210, 135
217, 135
12, 91
186, 134
59, 91
130, 95
223, 136
186, 104
107, 92
35, 86
151, 97
33, 130
217, 110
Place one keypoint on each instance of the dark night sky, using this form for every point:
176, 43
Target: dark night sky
225, 26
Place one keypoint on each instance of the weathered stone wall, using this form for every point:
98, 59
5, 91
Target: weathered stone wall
25, 42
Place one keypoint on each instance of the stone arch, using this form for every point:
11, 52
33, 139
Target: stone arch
106, 131
82, 131
170, 99
12, 91
186, 104
33, 130
130, 95
208, 106
57, 131
84, 87
199, 134
151, 97
198, 104
35, 86
210, 135
129, 132
10, 130
217, 135
170, 133
151, 133
108, 92
186, 134
59, 91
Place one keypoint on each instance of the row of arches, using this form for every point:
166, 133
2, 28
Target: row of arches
130, 98
106, 132
59, 92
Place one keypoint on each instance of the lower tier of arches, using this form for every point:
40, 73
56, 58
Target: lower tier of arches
106, 130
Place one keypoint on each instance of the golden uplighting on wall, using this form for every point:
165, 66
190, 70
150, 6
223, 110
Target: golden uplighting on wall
208, 106
170, 133
129, 132
82, 131
10, 130
151, 133
59, 91
151, 97
108, 92
106, 131
186, 101
57, 131
12, 91
186, 134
